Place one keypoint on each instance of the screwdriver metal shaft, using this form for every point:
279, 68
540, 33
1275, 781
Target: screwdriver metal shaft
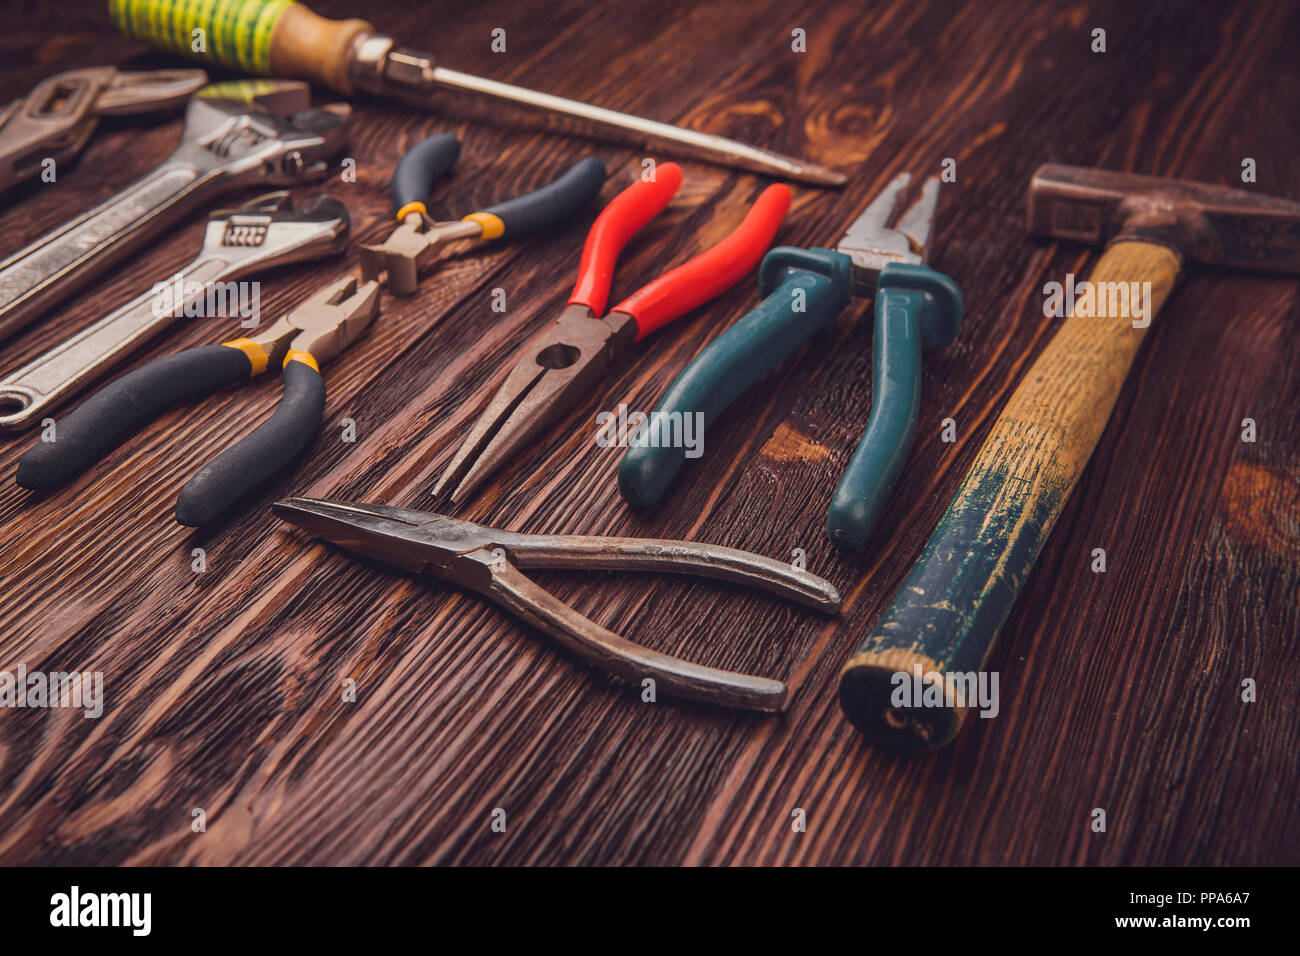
280, 38
690, 142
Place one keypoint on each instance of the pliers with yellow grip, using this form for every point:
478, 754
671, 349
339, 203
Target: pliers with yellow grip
408, 250
316, 331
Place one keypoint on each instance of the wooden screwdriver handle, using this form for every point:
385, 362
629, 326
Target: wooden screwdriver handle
306, 46
267, 37
948, 611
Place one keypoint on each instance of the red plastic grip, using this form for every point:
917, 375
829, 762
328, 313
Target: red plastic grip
710, 273
618, 222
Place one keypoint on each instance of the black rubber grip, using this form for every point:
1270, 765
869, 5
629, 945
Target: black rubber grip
423, 163
82, 435
260, 454
554, 202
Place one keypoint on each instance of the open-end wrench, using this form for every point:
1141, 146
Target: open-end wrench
269, 136
54, 121
267, 232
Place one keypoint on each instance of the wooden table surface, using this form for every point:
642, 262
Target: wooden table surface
1119, 690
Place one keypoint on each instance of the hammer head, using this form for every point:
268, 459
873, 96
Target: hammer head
1211, 225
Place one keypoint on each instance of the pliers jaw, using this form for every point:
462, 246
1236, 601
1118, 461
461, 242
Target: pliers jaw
409, 249
559, 366
871, 244
325, 324
398, 537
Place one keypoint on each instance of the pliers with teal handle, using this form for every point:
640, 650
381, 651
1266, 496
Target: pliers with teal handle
804, 291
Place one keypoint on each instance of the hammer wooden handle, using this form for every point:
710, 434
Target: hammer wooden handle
949, 610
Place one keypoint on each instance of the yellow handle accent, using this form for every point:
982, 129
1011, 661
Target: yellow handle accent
413, 206
492, 225
297, 355
269, 37
257, 356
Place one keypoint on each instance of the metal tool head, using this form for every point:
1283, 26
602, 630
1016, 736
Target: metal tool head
415, 541
263, 131
56, 119
324, 324
399, 259
871, 243
557, 368
1210, 225
148, 91
271, 232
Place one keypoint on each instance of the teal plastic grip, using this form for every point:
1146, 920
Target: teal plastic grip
803, 290
917, 309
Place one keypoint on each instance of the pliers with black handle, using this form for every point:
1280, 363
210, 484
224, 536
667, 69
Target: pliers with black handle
317, 330
399, 259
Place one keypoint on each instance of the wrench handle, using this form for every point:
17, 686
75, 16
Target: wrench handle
64, 259
948, 612
92, 351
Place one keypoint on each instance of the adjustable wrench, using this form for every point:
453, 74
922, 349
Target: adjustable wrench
228, 142
267, 232
54, 121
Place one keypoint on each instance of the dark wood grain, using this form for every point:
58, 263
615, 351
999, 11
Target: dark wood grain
1119, 690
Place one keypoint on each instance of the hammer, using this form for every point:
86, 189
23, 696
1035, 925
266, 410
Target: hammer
909, 685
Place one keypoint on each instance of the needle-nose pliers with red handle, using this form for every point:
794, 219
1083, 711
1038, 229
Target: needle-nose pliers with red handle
563, 363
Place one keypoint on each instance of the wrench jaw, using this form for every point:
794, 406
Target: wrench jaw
272, 135
269, 231
57, 118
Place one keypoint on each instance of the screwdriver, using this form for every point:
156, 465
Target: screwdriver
286, 39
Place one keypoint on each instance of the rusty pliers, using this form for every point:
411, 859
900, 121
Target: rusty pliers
488, 561
55, 120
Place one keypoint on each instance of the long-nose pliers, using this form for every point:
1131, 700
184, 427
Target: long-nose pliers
564, 362
487, 560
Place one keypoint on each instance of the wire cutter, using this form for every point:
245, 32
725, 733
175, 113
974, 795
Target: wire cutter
564, 362
315, 331
488, 561
804, 291
400, 258
55, 120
